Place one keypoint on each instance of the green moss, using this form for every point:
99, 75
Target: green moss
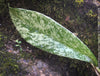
2, 39
26, 55
79, 3
91, 14
8, 64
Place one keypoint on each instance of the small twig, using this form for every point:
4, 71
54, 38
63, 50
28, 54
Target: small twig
97, 71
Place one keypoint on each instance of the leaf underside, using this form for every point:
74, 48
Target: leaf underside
43, 32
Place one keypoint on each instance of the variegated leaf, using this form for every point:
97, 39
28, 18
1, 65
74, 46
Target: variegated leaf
45, 33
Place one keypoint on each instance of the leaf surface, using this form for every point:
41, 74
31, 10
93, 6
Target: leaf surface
45, 33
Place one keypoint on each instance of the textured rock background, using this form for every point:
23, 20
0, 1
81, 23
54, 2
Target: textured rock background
35, 62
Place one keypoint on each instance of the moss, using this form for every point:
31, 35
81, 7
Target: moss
8, 64
2, 39
91, 14
26, 55
78, 3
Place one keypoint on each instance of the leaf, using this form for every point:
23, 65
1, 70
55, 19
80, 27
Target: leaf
17, 45
45, 33
17, 41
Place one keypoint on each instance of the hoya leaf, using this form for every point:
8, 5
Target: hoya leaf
45, 33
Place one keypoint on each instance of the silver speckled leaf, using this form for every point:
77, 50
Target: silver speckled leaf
43, 32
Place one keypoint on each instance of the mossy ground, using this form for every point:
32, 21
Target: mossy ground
35, 62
